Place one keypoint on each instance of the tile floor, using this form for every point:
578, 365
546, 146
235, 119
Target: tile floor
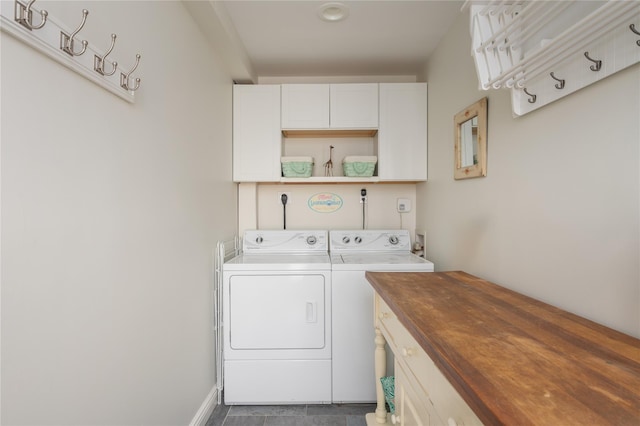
290, 415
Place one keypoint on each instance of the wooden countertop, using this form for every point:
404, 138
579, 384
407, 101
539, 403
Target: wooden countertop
513, 359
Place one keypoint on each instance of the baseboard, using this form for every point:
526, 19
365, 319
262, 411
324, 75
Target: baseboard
207, 407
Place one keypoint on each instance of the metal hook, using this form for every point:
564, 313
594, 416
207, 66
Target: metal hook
98, 62
24, 15
124, 78
597, 62
560, 81
533, 98
632, 27
66, 40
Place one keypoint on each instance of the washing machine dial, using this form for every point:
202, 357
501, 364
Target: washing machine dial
346, 239
394, 240
259, 240
311, 240
358, 240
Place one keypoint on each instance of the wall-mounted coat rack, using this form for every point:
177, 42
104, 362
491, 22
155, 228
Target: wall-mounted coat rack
38, 29
543, 51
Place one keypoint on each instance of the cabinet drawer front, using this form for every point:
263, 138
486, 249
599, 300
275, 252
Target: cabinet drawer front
426, 378
412, 406
448, 403
389, 324
422, 373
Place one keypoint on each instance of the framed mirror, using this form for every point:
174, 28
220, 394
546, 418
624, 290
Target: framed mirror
470, 137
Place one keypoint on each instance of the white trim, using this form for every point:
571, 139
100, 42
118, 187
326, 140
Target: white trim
206, 409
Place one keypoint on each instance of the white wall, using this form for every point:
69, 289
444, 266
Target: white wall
380, 213
557, 217
110, 214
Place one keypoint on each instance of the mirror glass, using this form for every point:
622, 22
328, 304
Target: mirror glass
470, 137
469, 142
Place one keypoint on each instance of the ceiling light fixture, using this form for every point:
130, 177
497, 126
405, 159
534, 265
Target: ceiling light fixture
333, 12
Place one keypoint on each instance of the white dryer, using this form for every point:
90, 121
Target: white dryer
277, 319
353, 253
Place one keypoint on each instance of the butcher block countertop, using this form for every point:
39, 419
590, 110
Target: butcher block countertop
513, 359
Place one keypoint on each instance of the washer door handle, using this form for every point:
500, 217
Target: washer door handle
312, 312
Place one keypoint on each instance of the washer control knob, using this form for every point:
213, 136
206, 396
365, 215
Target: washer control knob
259, 240
358, 240
394, 240
346, 239
311, 240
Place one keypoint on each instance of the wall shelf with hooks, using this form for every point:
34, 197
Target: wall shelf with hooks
543, 52
38, 29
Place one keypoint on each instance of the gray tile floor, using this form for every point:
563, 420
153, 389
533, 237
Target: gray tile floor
290, 415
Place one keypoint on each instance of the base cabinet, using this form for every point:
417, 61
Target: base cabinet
410, 405
423, 396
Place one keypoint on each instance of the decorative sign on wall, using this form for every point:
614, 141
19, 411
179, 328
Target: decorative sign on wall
325, 202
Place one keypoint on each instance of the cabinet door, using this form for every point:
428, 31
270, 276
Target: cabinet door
354, 106
305, 106
256, 133
402, 134
410, 409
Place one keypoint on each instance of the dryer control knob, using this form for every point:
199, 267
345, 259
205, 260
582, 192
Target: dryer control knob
259, 240
311, 240
394, 240
358, 240
346, 239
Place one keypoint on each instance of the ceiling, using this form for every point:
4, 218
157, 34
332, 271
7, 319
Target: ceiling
378, 37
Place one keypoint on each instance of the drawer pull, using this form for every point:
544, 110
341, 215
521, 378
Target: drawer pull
451, 422
395, 419
408, 351
383, 315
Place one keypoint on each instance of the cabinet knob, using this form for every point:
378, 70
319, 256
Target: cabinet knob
383, 315
451, 422
408, 351
395, 419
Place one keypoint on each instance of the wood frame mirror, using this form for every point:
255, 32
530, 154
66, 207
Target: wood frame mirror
470, 138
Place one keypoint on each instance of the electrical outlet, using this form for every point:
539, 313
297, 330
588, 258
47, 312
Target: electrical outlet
404, 205
288, 194
363, 196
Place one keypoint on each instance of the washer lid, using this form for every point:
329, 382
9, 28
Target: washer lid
380, 262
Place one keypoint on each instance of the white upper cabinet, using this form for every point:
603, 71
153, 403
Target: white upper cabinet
257, 135
354, 106
330, 106
305, 106
387, 119
402, 133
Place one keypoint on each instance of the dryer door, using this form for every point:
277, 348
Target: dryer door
277, 311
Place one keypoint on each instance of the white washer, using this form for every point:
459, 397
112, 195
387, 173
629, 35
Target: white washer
277, 319
353, 253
